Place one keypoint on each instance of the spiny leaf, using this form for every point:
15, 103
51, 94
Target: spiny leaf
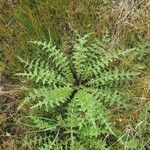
111, 77
51, 98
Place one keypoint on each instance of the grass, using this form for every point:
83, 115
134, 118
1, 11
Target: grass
126, 22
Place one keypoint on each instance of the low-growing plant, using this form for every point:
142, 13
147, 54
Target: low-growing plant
72, 96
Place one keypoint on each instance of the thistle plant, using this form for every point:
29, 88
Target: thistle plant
71, 98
